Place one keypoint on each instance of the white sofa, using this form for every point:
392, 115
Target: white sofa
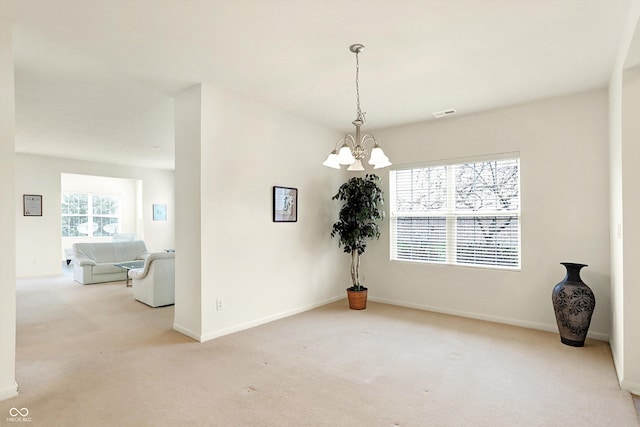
123, 237
94, 262
154, 284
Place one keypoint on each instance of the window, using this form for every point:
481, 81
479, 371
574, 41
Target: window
90, 215
460, 214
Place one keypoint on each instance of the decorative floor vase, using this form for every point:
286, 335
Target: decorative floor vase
573, 303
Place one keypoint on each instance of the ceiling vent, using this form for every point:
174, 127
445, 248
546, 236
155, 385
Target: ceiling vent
444, 113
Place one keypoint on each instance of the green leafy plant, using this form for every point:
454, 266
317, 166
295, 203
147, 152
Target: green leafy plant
358, 219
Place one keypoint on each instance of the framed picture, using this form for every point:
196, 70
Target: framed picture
159, 212
285, 204
32, 204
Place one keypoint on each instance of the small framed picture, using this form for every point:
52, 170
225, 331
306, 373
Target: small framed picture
159, 212
32, 204
285, 204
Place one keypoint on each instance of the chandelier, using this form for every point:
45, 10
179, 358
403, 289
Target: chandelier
352, 151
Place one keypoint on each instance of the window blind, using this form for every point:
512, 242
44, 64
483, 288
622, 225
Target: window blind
466, 214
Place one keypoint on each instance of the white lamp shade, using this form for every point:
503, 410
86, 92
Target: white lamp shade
356, 166
377, 156
332, 161
383, 164
345, 157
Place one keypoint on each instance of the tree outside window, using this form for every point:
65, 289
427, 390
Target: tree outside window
90, 215
463, 214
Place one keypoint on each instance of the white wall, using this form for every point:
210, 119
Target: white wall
8, 386
624, 131
564, 194
189, 260
259, 269
616, 339
39, 238
630, 155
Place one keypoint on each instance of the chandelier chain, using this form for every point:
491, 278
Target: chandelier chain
351, 150
359, 113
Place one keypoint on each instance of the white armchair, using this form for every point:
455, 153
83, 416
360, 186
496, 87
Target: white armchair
154, 284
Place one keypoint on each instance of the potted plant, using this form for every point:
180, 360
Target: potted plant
361, 210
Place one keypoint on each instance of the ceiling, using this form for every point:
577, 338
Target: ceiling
95, 80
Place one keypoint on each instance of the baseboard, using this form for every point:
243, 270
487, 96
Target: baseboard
616, 364
40, 275
630, 386
257, 322
187, 332
9, 392
488, 318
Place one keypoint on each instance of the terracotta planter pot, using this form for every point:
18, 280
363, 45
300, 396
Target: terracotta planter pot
357, 299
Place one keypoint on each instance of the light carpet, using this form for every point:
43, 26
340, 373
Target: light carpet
93, 356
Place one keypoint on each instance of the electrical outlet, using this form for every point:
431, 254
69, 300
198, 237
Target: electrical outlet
218, 305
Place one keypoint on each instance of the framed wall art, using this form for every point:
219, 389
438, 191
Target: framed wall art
285, 204
159, 212
32, 204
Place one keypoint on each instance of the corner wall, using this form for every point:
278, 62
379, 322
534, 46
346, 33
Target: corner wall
616, 340
259, 270
564, 194
8, 385
624, 131
629, 239
189, 260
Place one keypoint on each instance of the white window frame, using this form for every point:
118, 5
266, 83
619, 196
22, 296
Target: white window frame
90, 215
451, 215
